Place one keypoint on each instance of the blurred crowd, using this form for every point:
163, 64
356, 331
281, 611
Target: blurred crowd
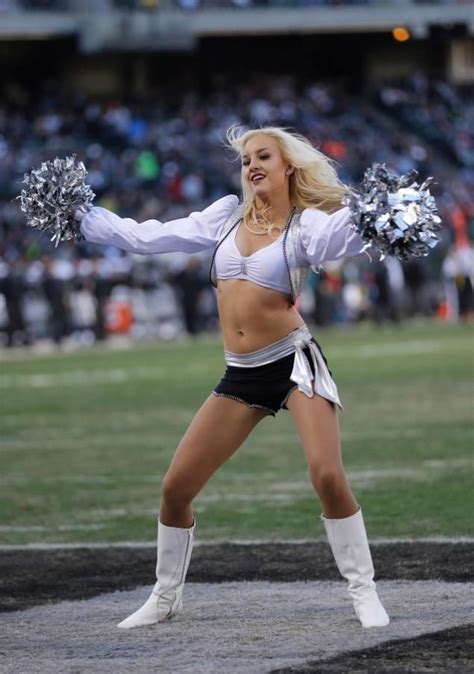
437, 112
10, 5
164, 157
244, 4
151, 5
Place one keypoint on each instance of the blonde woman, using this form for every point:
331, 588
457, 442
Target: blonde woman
289, 221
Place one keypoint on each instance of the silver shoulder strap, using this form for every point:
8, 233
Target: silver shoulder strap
234, 218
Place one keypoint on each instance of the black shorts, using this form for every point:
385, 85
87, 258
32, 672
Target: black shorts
265, 387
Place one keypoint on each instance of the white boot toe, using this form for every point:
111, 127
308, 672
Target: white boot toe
149, 614
371, 613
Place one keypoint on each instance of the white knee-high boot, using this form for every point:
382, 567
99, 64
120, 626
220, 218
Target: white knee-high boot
348, 540
173, 555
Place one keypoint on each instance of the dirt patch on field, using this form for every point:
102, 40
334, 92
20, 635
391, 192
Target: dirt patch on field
441, 652
32, 577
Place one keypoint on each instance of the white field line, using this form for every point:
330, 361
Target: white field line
53, 439
45, 350
19, 529
119, 375
413, 347
451, 540
119, 419
80, 377
287, 492
416, 472
382, 433
47, 438
90, 377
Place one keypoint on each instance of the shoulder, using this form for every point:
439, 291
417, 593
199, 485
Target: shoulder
316, 218
224, 205
218, 213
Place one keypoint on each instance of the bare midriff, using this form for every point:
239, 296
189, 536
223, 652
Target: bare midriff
252, 316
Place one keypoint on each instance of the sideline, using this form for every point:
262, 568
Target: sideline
237, 541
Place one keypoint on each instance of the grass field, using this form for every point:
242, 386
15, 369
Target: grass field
86, 437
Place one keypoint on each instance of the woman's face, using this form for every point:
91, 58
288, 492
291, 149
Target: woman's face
263, 168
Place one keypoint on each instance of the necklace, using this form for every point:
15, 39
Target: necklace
268, 229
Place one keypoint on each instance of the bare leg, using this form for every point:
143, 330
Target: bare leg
318, 429
317, 425
215, 433
219, 428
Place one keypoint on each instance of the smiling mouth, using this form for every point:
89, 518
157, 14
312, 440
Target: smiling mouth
257, 179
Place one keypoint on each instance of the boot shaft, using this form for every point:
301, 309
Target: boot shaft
173, 555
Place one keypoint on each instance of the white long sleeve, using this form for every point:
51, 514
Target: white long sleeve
328, 237
200, 230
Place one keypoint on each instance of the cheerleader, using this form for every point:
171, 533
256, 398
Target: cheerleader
290, 220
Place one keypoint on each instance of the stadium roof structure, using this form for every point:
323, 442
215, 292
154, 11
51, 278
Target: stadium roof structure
101, 26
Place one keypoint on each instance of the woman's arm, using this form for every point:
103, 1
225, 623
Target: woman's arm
328, 237
200, 230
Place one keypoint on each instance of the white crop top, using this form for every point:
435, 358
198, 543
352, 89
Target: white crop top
266, 267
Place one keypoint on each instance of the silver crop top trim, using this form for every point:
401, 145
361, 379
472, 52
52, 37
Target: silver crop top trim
266, 267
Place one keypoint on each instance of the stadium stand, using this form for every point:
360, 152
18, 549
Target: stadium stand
153, 143
163, 161
180, 24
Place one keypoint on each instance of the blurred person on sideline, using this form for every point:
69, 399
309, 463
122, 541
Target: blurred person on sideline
415, 279
263, 249
458, 274
13, 288
57, 280
189, 283
388, 281
326, 288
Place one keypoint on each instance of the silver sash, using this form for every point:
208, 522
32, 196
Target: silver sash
322, 384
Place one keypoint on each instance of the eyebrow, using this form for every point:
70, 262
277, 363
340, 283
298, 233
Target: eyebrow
260, 150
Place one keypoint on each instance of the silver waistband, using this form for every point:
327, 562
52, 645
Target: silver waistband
295, 342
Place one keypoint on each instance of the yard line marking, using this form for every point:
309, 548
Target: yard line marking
272, 481
60, 527
111, 416
413, 347
84, 377
405, 432
88, 377
244, 542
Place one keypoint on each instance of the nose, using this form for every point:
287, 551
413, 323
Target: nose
253, 163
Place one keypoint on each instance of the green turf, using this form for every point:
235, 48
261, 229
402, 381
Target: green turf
86, 437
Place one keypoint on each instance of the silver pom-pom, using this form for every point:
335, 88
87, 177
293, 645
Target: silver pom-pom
52, 195
394, 213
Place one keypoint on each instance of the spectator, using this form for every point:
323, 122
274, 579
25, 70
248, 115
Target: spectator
164, 159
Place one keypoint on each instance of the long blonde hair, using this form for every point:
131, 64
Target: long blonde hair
314, 182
